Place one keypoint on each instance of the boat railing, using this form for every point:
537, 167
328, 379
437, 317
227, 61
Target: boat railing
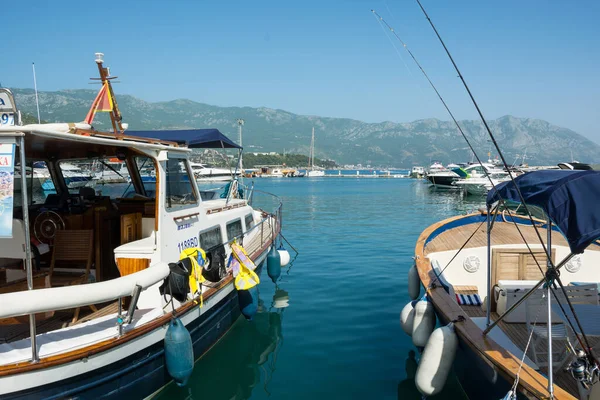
267, 229
66, 297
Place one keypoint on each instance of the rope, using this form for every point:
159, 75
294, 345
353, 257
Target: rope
289, 244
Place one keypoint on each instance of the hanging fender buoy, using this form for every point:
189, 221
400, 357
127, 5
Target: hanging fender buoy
436, 360
273, 264
248, 300
284, 256
407, 317
414, 283
179, 352
423, 323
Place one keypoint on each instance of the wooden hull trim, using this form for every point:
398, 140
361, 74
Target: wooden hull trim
531, 383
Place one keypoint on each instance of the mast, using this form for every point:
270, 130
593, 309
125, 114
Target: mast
105, 78
240, 124
312, 150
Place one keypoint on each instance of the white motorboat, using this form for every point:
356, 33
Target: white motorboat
203, 172
442, 177
477, 182
111, 171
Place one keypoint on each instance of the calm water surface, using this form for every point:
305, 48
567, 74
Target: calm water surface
340, 337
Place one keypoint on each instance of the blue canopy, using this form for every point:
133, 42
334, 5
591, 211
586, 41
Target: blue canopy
570, 198
193, 138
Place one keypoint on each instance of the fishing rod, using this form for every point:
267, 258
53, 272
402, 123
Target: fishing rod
489, 131
381, 20
554, 275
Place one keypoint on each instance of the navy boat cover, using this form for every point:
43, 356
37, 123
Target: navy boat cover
570, 198
193, 138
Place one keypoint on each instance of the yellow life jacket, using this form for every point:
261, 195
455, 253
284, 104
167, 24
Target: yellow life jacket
246, 278
196, 277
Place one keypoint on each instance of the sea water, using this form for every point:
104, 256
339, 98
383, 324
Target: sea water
340, 336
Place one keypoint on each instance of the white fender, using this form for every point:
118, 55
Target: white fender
436, 360
414, 283
284, 257
424, 322
407, 317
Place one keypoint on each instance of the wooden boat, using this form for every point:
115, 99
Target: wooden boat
97, 313
490, 288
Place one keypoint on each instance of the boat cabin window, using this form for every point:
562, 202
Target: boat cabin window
211, 238
39, 183
93, 177
249, 220
211, 242
234, 229
147, 173
180, 191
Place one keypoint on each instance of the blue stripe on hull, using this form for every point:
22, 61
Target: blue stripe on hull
144, 372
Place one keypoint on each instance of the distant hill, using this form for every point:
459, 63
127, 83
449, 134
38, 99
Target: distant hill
344, 140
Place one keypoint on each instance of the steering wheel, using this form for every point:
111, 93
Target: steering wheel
46, 225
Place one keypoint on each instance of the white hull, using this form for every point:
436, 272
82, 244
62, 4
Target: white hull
315, 174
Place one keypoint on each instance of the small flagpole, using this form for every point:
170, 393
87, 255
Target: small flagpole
37, 102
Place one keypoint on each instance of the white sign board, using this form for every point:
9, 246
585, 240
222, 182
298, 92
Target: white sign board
8, 109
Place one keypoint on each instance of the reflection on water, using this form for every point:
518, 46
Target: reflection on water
245, 359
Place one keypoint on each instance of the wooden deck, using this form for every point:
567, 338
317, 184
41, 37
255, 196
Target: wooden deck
502, 233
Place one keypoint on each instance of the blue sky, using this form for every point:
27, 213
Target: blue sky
532, 58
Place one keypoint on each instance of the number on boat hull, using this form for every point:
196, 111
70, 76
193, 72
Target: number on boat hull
186, 244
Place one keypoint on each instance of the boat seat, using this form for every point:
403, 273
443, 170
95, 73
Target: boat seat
508, 292
72, 249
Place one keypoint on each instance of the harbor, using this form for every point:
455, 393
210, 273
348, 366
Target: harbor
300, 201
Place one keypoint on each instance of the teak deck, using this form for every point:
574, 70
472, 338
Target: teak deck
531, 382
502, 233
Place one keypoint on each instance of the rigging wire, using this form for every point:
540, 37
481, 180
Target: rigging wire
521, 198
398, 52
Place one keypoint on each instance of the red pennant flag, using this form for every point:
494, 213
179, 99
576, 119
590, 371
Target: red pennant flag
102, 102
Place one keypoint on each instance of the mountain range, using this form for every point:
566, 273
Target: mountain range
346, 141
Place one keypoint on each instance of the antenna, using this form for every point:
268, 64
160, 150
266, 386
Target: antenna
37, 101
240, 123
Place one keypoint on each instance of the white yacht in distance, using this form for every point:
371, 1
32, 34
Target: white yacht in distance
417, 172
442, 177
477, 182
313, 172
203, 172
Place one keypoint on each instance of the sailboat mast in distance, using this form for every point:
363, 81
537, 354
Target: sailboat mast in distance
312, 150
